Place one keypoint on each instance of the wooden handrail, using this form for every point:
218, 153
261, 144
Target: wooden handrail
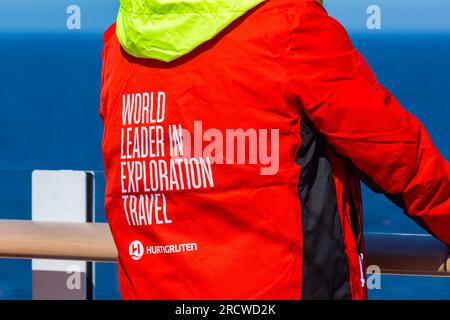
55, 240
393, 253
408, 254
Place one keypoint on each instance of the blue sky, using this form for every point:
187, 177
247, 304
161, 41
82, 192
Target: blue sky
397, 15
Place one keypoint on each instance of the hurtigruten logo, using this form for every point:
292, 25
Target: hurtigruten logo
137, 250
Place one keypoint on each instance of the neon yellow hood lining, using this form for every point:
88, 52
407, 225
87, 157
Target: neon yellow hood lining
168, 29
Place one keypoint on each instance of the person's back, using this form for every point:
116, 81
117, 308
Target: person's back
233, 164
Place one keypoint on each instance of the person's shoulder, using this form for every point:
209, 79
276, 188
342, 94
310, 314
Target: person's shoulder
109, 33
298, 4
320, 30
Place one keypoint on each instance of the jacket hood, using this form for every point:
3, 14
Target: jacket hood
168, 29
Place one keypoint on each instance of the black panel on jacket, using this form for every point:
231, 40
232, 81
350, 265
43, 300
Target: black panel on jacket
325, 263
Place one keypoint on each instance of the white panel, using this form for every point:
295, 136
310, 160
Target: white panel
58, 265
59, 196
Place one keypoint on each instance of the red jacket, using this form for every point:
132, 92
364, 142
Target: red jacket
282, 217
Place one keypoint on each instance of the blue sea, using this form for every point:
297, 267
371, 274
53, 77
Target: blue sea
49, 119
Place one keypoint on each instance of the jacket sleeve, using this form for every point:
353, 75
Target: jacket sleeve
337, 90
